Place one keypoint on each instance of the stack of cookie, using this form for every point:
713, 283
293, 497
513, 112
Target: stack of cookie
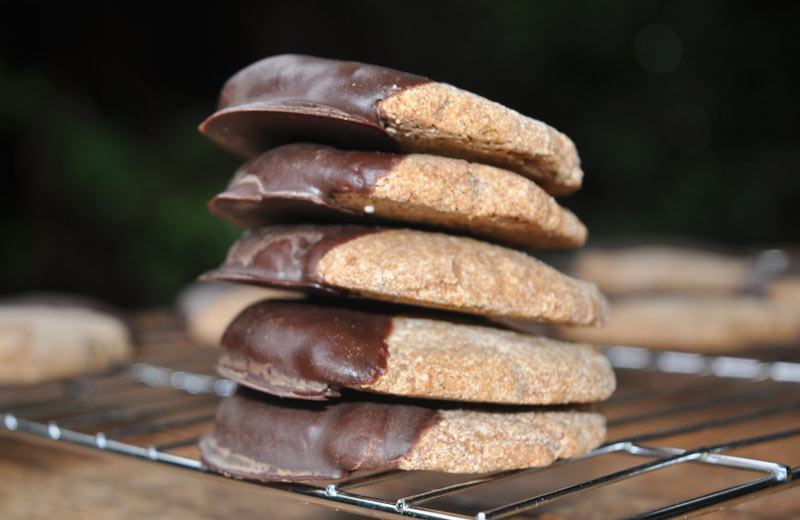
396, 329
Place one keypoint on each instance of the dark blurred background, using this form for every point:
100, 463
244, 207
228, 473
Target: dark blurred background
685, 115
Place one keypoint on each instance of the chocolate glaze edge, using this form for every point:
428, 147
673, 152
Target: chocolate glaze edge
308, 351
285, 256
248, 133
288, 98
351, 87
244, 372
263, 438
300, 172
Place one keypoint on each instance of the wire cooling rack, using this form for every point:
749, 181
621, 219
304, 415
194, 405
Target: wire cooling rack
674, 418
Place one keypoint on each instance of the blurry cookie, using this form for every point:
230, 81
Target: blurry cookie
290, 98
784, 284
57, 339
785, 289
662, 268
262, 438
693, 323
311, 351
294, 181
412, 267
207, 308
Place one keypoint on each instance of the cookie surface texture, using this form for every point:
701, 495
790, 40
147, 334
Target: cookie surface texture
445, 120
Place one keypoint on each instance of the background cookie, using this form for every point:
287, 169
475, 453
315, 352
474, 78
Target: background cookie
694, 323
311, 351
40, 341
662, 268
785, 285
295, 181
269, 439
412, 267
207, 308
291, 98
786, 289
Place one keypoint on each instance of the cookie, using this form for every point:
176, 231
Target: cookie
207, 308
412, 267
294, 181
694, 323
786, 289
662, 268
311, 351
56, 340
261, 438
291, 98
783, 289
784, 285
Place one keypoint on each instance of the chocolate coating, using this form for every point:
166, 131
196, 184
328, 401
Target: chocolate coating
298, 179
284, 256
289, 98
262, 438
328, 344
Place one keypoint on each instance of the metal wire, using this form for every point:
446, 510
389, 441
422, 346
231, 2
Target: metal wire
186, 400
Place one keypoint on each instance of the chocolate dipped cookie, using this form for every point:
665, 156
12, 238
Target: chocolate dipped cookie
296, 181
291, 98
311, 351
412, 267
263, 438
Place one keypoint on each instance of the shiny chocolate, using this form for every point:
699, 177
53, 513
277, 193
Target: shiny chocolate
263, 438
284, 256
284, 348
298, 179
290, 98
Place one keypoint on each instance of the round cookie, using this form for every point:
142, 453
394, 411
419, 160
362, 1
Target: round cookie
412, 267
294, 181
311, 351
662, 268
693, 323
290, 98
262, 438
207, 308
46, 341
